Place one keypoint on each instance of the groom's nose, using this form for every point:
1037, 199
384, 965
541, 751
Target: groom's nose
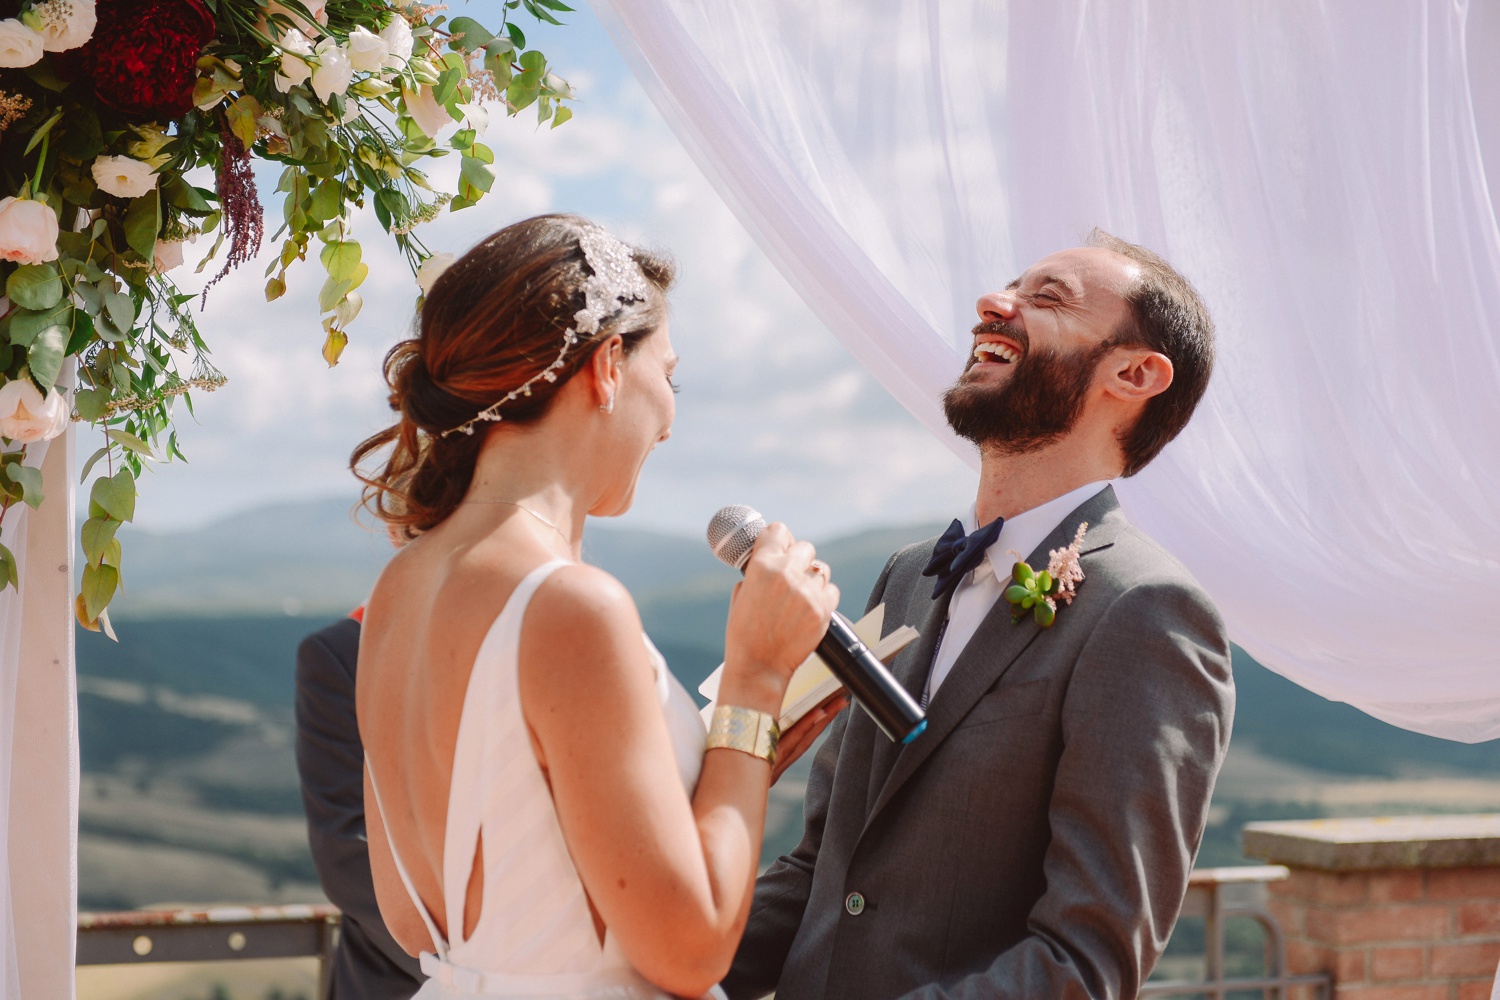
997, 306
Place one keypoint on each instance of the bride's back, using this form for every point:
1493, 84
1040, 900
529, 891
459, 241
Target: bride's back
424, 626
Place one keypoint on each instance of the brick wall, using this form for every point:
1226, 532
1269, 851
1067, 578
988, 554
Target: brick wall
1394, 934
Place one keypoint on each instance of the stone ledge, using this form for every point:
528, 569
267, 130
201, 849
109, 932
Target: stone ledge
1340, 845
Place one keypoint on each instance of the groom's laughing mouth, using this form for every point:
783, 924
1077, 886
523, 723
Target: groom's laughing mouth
997, 345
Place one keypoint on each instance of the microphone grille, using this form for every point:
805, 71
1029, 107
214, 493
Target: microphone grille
732, 533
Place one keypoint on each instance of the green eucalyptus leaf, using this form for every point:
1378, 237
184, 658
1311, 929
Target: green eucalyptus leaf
93, 460
92, 405
446, 89
120, 309
88, 297
130, 441
183, 195
327, 201
115, 495
142, 223
341, 259
9, 576
35, 286
477, 173
82, 335
45, 356
561, 115
241, 116
99, 585
475, 35
517, 36
96, 535
332, 293
30, 481
27, 324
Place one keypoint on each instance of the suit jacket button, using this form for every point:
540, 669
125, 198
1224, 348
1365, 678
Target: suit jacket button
855, 904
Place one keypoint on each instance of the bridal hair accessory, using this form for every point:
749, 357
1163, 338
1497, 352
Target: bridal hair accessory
617, 280
1040, 592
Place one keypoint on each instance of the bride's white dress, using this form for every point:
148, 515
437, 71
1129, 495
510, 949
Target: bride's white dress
535, 937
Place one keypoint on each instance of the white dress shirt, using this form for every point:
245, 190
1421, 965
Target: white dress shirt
978, 591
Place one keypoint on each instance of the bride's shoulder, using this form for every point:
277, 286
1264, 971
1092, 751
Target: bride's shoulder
580, 596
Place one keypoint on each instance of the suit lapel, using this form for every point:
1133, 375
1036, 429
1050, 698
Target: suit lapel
996, 645
910, 666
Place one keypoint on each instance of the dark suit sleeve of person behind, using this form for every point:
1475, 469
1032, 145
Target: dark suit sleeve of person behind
330, 762
781, 893
1145, 726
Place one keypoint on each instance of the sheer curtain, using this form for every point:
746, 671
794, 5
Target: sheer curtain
39, 741
1321, 172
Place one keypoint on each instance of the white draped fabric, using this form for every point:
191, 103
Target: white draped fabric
39, 741
1321, 171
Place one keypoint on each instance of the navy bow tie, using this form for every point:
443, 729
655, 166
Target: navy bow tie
957, 553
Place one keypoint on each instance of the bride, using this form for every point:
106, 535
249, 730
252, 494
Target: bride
543, 818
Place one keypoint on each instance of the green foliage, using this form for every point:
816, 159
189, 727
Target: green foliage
105, 300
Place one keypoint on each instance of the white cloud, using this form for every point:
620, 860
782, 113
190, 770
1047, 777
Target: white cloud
773, 410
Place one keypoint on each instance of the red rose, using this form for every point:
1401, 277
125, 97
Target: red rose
143, 53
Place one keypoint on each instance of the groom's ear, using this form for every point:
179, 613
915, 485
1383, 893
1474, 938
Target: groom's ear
1135, 374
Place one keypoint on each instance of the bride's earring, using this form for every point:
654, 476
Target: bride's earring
609, 405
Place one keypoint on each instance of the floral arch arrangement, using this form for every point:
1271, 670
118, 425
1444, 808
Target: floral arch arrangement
108, 106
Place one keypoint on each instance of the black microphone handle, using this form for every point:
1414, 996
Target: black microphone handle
869, 682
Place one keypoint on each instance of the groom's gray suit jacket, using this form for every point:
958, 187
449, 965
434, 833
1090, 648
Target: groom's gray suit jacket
1036, 841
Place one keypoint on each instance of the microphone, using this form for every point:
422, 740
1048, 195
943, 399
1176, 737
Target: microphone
731, 534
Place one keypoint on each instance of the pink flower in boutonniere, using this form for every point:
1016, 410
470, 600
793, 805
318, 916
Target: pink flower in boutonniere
1040, 592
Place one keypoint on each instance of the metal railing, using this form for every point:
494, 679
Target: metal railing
1217, 895
221, 934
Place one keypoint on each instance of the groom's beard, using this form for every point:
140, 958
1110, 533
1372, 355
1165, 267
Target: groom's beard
1039, 403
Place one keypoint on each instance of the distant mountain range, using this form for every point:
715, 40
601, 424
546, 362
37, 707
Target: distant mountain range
312, 559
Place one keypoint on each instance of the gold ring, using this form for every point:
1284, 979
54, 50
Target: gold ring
820, 567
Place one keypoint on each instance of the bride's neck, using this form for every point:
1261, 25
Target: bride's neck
529, 465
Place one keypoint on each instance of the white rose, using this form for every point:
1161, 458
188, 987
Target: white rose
367, 50
26, 415
334, 71
123, 177
168, 255
19, 45
432, 269
397, 37
295, 68
66, 24
430, 116
28, 231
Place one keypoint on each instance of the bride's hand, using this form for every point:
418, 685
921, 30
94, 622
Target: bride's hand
777, 615
805, 731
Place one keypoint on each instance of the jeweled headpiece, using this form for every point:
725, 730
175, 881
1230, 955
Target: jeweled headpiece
616, 280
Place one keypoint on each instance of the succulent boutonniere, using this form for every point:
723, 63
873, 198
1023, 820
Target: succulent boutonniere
1040, 592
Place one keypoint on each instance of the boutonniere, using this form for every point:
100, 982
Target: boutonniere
1040, 592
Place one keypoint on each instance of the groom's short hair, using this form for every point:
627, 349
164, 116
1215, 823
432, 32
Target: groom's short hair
1166, 315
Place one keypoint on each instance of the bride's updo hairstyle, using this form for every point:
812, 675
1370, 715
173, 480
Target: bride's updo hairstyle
496, 319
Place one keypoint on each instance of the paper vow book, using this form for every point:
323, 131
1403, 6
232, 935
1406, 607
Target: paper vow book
813, 682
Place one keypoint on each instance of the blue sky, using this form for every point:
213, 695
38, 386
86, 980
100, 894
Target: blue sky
773, 411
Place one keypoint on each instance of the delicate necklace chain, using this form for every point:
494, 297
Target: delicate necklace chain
521, 506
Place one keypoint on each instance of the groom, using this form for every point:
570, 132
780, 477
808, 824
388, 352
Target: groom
1036, 841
